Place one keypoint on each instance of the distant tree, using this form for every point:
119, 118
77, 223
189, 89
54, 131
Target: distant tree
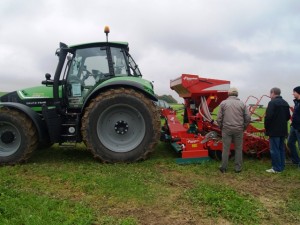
167, 98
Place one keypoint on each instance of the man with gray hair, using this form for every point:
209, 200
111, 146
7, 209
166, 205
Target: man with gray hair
276, 120
233, 119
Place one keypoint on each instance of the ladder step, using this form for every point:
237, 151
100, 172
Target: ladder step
68, 135
67, 145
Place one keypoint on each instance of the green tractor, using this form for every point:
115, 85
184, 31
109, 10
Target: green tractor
97, 96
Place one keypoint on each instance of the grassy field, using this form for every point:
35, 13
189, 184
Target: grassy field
67, 186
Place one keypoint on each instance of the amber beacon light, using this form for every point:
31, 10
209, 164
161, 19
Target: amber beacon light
106, 31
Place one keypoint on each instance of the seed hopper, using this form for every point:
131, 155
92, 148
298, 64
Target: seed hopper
198, 138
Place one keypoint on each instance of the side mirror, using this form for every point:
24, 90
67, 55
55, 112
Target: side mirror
48, 80
69, 57
47, 76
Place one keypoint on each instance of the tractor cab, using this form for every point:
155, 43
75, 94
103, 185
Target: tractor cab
91, 64
83, 67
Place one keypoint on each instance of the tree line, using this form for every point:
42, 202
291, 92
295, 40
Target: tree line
167, 98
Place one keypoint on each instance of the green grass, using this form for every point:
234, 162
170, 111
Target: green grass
225, 201
292, 206
22, 207
67, 186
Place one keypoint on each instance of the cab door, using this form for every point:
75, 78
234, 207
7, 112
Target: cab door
88, 68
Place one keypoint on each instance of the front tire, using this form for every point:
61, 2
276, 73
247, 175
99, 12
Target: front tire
18, 137
121, 125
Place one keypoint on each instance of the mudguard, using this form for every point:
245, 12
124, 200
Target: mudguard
121, 83
37, 120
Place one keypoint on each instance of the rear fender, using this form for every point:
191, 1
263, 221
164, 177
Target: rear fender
120, 83
36, 119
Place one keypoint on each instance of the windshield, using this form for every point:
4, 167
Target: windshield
89, 67
120, 65
134, 69
119, 62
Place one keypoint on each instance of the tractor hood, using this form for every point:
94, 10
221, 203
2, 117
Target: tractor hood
33, 97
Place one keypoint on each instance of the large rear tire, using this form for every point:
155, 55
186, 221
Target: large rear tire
121, 125
18, 137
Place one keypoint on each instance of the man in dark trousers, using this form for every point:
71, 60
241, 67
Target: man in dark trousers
295, 128
233, 118
276, 126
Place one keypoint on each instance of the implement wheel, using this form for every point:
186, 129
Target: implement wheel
121, 125
18, 137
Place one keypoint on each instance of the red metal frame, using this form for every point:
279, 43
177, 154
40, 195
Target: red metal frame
201, 97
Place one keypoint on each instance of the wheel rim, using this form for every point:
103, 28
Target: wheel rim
10, 139
121, 128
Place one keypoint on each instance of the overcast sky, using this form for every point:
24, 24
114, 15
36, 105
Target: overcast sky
252, 43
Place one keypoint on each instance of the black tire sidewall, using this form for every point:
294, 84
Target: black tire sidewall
19, 125
112, 156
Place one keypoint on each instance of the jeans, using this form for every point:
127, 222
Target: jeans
277, 153
237, 138
292, 139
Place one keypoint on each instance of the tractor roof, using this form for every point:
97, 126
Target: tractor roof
99, 44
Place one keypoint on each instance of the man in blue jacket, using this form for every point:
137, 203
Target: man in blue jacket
295, 128
277, 116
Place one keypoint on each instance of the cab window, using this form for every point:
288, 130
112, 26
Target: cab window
88, 67
119, 62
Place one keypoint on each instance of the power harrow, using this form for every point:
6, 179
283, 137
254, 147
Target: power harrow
198, 138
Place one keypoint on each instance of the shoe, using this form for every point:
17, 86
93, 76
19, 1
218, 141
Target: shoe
272, 171
222, 170
238, 171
